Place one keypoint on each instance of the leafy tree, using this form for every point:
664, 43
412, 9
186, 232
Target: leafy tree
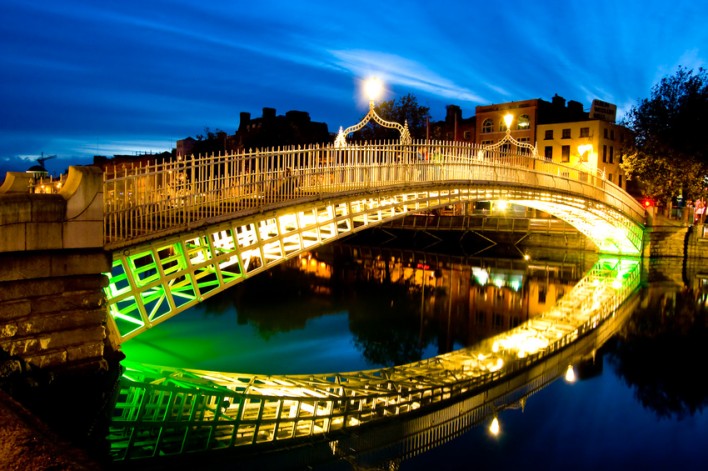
669, 154
405, 110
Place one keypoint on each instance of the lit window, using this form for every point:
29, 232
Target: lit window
487, 126
524, 122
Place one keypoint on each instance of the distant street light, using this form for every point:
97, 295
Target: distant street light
373, 87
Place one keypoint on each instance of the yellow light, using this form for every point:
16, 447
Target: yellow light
508, 118
570, 374
502, 205
582, 148
373, 87
494, 427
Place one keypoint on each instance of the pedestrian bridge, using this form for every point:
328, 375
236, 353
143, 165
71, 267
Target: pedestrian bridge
184, 230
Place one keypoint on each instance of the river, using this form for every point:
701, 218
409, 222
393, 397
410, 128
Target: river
639, 404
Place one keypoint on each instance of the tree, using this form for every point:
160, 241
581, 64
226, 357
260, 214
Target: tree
405, 110
669, 155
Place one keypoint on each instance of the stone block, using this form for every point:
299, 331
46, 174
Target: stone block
21, 347
81, 262
43, 236
82, 300
12, 237
62, 321
13, 309
86, 351
47, 360
75, 337
83, 234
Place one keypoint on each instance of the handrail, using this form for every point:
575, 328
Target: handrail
152, 198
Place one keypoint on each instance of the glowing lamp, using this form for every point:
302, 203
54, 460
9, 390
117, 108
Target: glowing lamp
570, 374
494, 427
373, 88
583, 148
508, 118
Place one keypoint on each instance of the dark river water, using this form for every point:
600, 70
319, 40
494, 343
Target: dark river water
640, 404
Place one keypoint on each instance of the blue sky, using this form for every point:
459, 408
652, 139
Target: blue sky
86, 77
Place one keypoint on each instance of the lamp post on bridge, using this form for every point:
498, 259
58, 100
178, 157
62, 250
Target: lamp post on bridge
508, 138
373, 88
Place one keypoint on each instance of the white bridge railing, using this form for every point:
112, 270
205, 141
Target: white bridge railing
142, 201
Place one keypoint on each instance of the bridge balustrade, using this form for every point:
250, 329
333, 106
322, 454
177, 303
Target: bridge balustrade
143, 201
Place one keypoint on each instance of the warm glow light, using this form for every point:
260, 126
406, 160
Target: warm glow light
502, 205
494, 427
508, 118
570, 374
373, 88
583, 148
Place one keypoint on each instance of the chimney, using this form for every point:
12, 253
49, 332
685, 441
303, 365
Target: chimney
245, 119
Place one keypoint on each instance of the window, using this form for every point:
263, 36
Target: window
542, 295
565, 154
466, 136
609, 177
584, 132
524, 122
548, 152
566, 134
549, 134
619, 181
487, 126
604, 153
612, 134
604, 133
612, 154
487, 142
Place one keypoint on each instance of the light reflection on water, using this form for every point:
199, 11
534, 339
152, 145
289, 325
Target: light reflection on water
298, 318
286, 324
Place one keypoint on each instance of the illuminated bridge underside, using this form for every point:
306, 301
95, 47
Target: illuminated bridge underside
153, 282
166, 411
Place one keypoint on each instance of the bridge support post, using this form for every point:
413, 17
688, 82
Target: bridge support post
58, 355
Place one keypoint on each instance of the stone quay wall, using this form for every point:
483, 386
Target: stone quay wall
53, 315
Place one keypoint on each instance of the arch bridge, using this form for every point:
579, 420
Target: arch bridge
184, 230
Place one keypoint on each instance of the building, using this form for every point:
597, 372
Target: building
594, 144
561, 132
270, 130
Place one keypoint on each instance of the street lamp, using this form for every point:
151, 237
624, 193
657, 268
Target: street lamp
373, 87
508, 119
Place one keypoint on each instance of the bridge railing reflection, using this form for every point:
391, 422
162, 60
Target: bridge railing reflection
146, 199
163, 411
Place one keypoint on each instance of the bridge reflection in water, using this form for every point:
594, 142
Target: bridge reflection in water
163, 412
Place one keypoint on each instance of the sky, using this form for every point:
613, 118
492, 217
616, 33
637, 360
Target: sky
80, 78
